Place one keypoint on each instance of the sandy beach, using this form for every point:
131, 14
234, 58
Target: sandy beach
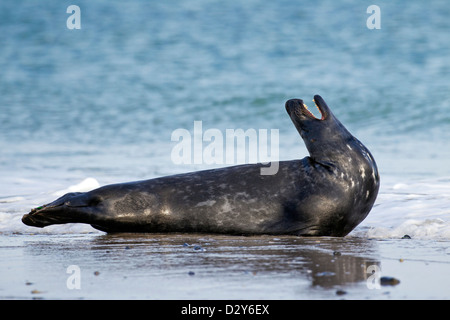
204, 267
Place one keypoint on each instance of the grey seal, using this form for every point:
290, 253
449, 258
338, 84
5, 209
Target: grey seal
327, 193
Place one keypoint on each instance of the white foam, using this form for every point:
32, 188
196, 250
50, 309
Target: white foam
11, 199
420, 209
87, 184
417, 229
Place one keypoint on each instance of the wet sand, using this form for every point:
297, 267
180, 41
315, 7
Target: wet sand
193, 267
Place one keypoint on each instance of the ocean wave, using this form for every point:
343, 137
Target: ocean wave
419, 209
415, 229
84, 186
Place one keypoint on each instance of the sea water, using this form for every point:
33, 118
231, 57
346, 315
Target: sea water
81, 108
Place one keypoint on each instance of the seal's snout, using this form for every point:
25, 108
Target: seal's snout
68, 208
36, 217
294, 106
293, 103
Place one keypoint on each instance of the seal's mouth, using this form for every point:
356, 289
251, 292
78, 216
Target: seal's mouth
298, 109
308, 113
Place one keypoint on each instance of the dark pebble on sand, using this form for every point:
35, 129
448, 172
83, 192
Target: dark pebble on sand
406, 237
389, 281
96, 273
340, 292
191, 273
336, 253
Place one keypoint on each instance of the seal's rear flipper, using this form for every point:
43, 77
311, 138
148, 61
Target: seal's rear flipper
69, 208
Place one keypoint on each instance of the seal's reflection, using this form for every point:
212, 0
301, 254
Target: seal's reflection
325, 262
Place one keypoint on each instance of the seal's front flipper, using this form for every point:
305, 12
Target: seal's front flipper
72, 207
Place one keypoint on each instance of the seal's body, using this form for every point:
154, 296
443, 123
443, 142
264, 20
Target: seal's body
326, 194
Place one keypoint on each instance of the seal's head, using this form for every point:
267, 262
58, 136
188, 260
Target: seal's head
323, 137
351, 185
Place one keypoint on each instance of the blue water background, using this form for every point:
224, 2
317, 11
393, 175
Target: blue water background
103, 101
